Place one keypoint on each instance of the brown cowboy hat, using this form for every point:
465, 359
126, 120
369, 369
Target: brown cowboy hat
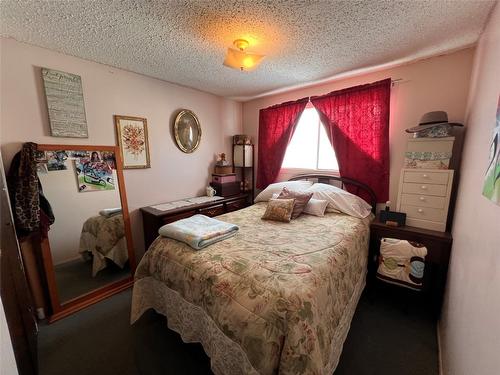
431, 120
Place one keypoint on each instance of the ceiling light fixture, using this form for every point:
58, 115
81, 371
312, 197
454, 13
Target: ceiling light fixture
239, 59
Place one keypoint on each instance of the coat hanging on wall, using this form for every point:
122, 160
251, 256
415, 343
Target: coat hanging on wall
32, 211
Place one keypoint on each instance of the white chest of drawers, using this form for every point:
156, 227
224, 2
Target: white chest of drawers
424, 195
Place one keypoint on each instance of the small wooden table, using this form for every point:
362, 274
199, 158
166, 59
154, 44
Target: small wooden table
438, 246
153, 219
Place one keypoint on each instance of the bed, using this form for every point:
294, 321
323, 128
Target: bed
102, 238
276, 298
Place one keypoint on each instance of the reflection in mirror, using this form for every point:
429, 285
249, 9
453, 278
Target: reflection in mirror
188, 134
87, 241
187, 131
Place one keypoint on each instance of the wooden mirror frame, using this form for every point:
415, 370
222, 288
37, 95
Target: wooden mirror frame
58, 310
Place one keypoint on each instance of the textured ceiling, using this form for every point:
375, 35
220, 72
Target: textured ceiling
185, 41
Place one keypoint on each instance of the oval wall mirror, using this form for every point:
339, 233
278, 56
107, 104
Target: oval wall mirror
187, 131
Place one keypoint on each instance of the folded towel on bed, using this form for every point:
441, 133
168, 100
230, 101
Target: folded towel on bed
198, 231
110, 211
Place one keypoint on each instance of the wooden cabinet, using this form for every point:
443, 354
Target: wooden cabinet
213, 210
438, 246
235, 205
153, 219
174, 217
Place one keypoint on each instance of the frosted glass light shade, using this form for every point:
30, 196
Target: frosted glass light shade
238, 155
242, 60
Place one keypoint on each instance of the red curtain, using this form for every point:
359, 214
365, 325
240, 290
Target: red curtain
357, 122
276, 127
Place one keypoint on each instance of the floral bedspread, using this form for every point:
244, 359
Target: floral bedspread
104, 237
278, 290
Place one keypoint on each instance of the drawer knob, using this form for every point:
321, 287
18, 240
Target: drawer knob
424, 176
420, 210
423, 187
422, 198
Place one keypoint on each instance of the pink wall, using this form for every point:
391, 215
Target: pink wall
438, 83
108, 91
470, 327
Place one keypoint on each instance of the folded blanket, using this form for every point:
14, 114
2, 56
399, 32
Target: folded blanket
198, 231
107, 212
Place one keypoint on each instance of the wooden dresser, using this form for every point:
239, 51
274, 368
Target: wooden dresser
153, 219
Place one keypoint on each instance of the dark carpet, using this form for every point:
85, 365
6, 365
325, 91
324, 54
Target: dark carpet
391, 334
75, 278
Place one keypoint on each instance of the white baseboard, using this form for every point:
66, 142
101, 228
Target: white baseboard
440, 358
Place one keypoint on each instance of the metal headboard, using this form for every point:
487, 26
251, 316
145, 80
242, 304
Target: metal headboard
326, 179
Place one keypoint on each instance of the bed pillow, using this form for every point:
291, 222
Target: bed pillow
268, 192
316, 207
341, 200
279, 210
301, 200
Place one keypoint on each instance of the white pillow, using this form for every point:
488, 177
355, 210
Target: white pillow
316, 207
268, 192
341, 200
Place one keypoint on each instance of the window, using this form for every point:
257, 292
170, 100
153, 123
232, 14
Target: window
310, 147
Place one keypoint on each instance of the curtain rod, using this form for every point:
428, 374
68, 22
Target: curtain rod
393, 82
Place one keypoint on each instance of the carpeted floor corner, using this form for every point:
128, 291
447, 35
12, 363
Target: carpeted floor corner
391, 334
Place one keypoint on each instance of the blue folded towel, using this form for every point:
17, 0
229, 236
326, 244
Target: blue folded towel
198, 231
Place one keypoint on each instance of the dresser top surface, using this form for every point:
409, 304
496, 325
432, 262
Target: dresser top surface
161, 212
442, 236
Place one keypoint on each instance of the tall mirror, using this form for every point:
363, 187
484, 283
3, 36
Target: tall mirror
88, 254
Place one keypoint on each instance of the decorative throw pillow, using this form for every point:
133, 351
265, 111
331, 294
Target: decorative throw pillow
301, 200
316, 207
268, 192
279, 210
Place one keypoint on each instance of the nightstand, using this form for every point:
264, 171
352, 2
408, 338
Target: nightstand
436, 262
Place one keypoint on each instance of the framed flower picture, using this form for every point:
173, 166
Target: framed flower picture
132, 134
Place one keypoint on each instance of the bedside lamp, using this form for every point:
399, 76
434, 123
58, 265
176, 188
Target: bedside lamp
243, 155
243, 161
